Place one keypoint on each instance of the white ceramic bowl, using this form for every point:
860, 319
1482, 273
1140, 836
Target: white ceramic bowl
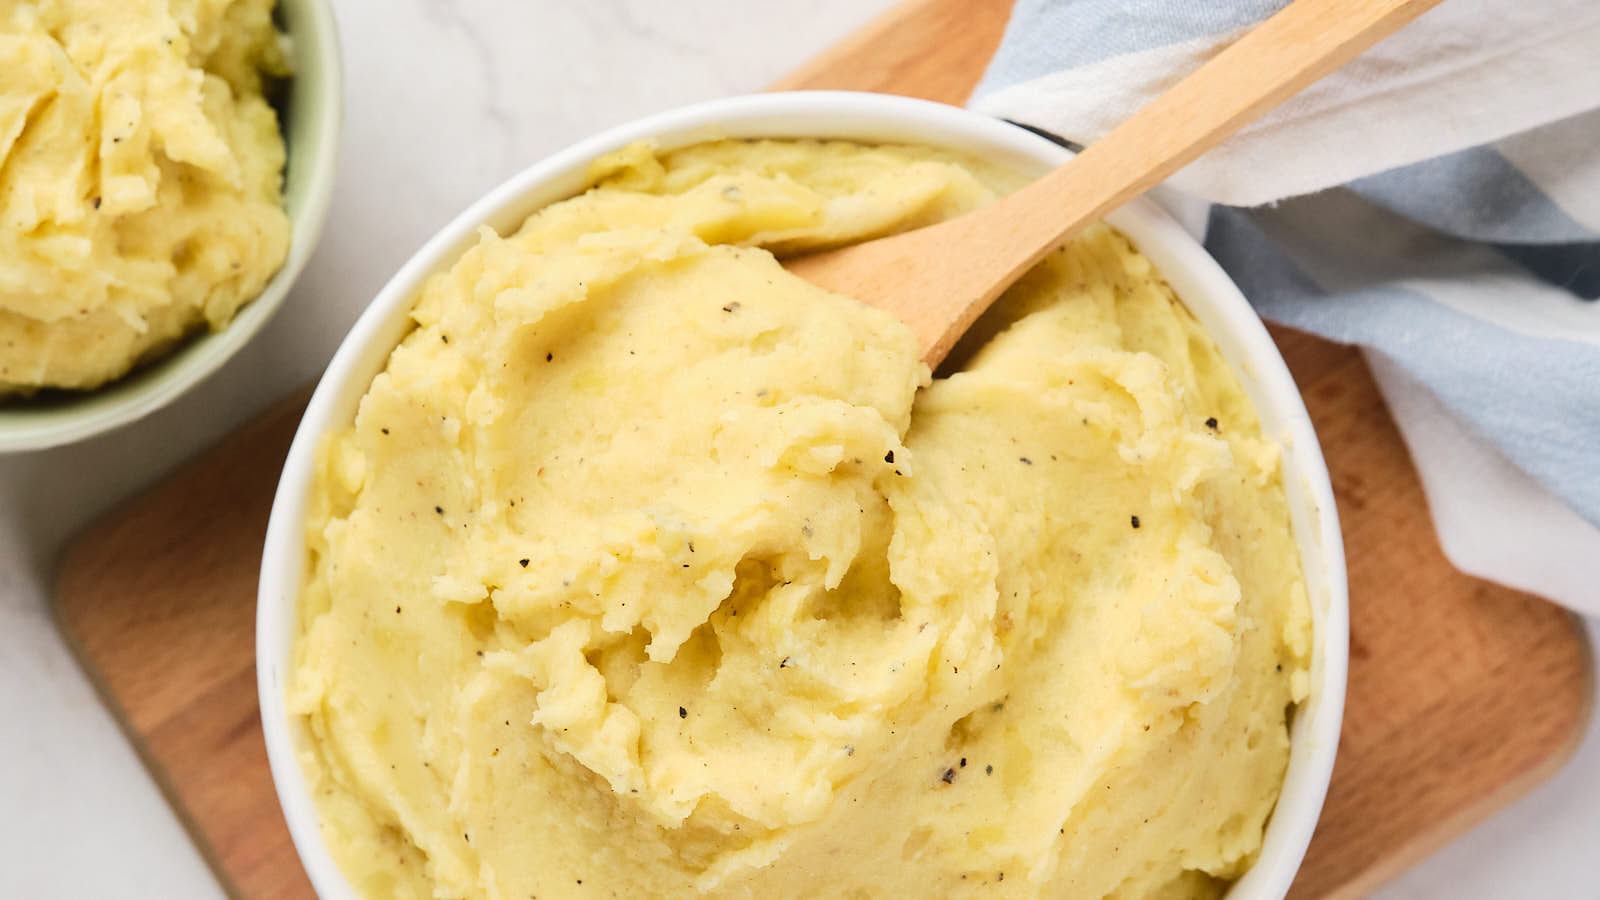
1198, 280
310, 119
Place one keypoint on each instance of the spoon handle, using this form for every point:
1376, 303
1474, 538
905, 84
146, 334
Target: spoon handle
1299, 45
939, 279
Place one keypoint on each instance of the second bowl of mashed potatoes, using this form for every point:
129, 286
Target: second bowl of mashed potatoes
164, 174
611, 558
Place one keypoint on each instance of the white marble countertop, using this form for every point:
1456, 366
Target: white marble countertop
444, 99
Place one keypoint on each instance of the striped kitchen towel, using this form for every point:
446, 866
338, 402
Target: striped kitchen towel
1437, 202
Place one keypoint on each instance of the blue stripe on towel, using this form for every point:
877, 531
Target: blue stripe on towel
1534, 398
1474, 194
1572, 267
1047, 36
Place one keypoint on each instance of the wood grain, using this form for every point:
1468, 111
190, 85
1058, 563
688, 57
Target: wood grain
1462, 694
158, 600
933, 49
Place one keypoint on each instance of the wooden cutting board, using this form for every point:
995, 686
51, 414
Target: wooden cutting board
1462, 694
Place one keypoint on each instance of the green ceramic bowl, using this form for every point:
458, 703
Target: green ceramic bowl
310, 117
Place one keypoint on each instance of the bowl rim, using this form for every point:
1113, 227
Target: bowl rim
314, 46
1194, 275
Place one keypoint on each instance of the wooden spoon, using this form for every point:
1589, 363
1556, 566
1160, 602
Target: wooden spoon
939, 279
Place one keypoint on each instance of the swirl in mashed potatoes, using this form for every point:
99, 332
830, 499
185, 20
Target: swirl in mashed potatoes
648, 569
140, 175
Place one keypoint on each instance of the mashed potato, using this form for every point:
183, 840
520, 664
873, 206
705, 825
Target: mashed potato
647, 569
140, 170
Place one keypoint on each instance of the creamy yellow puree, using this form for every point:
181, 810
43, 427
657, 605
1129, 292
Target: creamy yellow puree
648, 569
139, 179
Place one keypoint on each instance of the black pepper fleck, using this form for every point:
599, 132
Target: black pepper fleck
988, 770
523, 563
439, 510
445, 338
549, 356
384, 430
1211, 423
783, 663
683, 713
97, 203
949, 776
963, 762
889, 457
397, 610
731, 307
1134, 520
1025, 461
